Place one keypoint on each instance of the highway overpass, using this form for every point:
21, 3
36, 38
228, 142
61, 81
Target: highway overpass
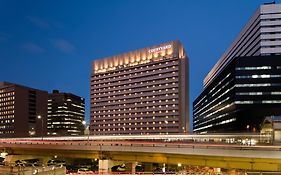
220, 155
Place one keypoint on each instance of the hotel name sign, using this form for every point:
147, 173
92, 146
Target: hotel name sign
159, 49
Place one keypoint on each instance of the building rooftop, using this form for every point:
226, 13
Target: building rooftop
140, 56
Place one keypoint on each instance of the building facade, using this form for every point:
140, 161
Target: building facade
141, 92
244, 85
271, 128
20, 107
66, 113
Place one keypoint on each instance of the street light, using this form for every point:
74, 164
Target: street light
39, 117
86, 130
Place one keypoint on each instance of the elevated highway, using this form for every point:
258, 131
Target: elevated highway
223, 155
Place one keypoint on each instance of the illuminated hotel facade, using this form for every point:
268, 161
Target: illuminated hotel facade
66, 113
141, 92
244, 85
20, 107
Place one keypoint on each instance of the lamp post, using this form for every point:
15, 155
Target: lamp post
39, 117
86, 130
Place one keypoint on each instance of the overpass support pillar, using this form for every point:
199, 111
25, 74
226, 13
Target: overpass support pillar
134, 164
105, 166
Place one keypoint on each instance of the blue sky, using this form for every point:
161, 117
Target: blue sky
50, 44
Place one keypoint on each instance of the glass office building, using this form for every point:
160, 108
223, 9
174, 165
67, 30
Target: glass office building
66, 113
244, 85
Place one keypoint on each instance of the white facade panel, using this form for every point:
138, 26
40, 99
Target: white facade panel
271, 23
271, 29
271, 36
271, 16
271, 43
270, 50
266, 16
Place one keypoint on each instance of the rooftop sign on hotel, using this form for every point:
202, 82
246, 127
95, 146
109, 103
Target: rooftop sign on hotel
137, 57
158, 49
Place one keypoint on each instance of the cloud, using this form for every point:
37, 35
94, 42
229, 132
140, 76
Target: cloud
33, 48
63, 45
38, 22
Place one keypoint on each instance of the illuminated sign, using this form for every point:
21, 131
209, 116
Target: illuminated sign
158, 49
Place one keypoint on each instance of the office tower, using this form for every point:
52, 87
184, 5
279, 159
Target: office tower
141, 92
65, 114
23, 111
244, 85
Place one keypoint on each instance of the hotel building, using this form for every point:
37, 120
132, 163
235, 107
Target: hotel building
141, 92
65, 114
20, 107
244, 85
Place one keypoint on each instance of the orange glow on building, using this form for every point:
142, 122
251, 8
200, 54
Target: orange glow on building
133, 58
145, 92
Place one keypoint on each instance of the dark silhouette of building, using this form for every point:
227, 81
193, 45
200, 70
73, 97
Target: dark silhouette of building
65, 114
141, 92
20, 107
242, 95
244, 85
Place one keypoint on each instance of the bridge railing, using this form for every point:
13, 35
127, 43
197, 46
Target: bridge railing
99, 145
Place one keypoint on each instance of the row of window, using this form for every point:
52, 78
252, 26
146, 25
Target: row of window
136, 129
257, 76
68, 112
138, 85
6, 126
7, 117
198, 122
136, 68
254, 68
258, 85
7, 94
7, 103
129, 91
7, 132
76, 119
62, 127
258, 102
213, 100
137, 73
215, 124
7, 99
135, 104
5, 90
7, 112
7, 121
103, 69
136, 82
258, 93
6, 108
138, 123
132, 109
150, 98
201, 102
136, 118
131, 102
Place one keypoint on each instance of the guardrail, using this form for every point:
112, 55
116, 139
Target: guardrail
148, 144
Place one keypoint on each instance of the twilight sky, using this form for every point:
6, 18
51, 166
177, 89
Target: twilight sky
50, 44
